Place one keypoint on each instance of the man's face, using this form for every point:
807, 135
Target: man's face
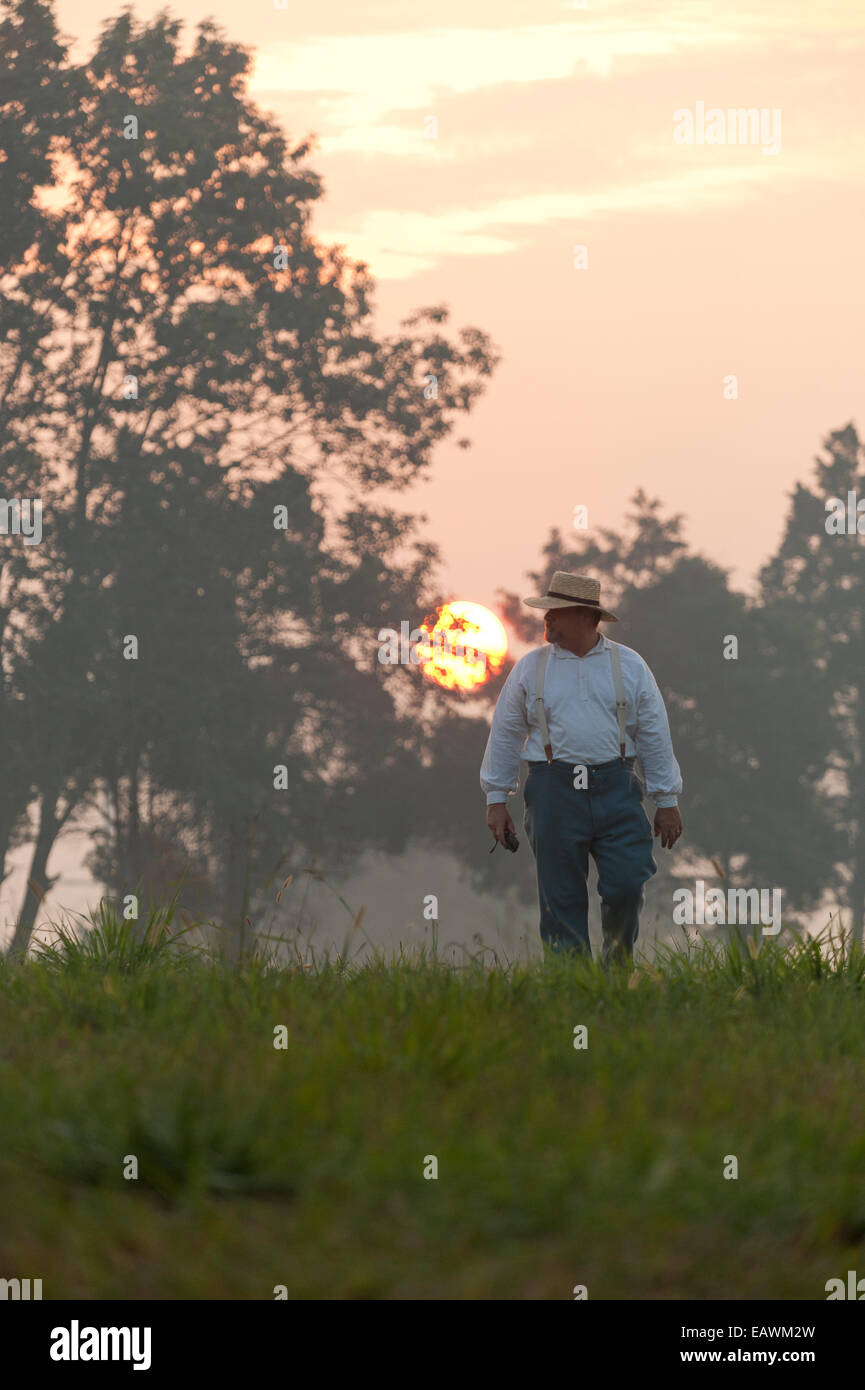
567, 624
551, 632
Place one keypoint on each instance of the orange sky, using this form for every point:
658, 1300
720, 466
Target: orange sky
555, 128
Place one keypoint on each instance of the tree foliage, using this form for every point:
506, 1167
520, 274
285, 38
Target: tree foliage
194, 385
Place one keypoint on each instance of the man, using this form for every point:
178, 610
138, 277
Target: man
583, 717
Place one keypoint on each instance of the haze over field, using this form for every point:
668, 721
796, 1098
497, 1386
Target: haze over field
467, 152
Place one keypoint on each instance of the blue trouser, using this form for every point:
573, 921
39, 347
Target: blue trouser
566, 824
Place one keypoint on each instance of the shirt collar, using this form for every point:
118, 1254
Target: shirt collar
601, 646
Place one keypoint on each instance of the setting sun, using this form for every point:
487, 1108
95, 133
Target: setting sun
465, 645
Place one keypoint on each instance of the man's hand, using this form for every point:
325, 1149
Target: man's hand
668, 824
499, 821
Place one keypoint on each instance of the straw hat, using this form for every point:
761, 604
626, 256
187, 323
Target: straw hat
572, 591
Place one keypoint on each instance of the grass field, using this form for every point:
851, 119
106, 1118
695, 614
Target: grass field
558, 1166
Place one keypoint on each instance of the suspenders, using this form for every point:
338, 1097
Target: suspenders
540, 712
621, 706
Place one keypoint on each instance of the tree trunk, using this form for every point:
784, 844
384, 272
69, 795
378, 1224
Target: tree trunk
38, 883
8, 821
232, 915
131, 859
857, 889
856, 777
14, 802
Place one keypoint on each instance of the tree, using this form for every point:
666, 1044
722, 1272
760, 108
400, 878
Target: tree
815, 583
198, 381
35, 111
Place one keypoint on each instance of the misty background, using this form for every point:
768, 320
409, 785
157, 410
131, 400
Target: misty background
229, 450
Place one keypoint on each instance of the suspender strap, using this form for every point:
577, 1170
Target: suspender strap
540, 712
621, 705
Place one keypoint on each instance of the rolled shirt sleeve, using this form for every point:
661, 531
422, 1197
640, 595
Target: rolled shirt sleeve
500, 769
654, 745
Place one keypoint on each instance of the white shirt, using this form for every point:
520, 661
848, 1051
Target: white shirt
580, 701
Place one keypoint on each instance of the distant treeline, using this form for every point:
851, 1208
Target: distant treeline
188, 381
